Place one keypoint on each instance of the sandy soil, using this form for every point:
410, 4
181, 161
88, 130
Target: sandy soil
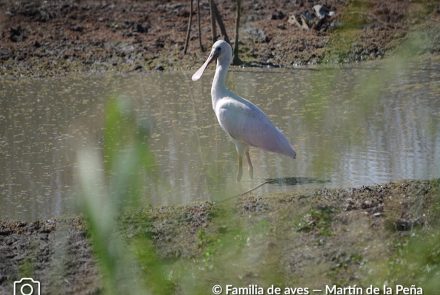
309, 237
40, 38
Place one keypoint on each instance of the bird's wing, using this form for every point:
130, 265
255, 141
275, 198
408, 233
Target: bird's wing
246, 123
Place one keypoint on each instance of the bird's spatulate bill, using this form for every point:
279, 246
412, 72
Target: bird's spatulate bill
200, 71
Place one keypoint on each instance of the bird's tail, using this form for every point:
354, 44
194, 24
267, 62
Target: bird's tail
285, 148
290, 152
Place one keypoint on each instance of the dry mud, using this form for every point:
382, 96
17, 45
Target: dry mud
51, 38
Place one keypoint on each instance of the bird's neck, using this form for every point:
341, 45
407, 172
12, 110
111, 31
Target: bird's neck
218, 89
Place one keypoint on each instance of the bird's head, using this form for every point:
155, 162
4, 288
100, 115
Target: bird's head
222, 52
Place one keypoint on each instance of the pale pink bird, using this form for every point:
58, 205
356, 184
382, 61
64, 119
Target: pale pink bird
243, 121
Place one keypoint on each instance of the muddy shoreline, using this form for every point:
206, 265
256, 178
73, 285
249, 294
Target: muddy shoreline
52, 38
344, 231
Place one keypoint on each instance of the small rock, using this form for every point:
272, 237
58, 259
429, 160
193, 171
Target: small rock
5, 231
366, 204
302, 20
17, 34
140, 28
281, 26
403, 224
322, 11
278, 14
182, 13
159, 68
135, 27
5, 54
77, 28
125, 49
293, 20
138, 68
257, 35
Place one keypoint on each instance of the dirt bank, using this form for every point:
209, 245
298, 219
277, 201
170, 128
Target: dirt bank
40, 38
311, 238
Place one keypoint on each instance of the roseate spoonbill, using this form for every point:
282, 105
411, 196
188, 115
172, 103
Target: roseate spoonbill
243, 121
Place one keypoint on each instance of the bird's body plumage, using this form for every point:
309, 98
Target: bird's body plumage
244, 122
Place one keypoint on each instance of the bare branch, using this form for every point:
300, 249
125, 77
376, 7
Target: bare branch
213, 27
237, 60
220, 23
188, 32
198, 25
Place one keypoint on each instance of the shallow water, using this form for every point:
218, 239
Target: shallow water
350, 126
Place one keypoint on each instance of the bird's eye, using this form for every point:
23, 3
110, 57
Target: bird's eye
218, 49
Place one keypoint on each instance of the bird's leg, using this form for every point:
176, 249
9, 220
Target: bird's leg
251, 168
240, 150
240, 166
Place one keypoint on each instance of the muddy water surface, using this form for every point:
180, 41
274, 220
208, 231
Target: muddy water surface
350, 126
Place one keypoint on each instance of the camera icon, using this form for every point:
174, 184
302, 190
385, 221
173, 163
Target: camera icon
27, 286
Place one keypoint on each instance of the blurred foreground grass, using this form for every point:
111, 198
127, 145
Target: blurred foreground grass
287, 240
127, 268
